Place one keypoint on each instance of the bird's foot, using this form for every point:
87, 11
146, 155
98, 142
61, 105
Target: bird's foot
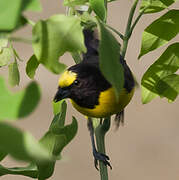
101, 157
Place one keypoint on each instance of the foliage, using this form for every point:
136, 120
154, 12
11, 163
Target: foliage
59, 34
21, 103
47, 49
41, 155
167, 64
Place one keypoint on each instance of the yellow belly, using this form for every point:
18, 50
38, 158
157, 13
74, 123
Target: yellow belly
108, 105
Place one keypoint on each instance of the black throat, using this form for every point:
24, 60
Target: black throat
92, 84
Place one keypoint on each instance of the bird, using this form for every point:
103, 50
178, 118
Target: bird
89, 91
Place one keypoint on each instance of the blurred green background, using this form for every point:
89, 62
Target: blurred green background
145, 148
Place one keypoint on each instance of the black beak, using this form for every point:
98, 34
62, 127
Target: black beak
61, 94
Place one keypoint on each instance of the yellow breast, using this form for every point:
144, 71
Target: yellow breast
108, 104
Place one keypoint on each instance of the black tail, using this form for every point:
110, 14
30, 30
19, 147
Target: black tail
92, 45
92, 56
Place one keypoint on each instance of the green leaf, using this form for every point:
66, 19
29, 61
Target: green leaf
167, 64
160, 32
53, 142
3, 42
16, 55
22, 21
155, 5
109, 54
55, 36
32, 5
5, 56
76, 57
57, 122
23, 147
88, 21
58, 136
50, 138
168, 87
2, 155
67, 133
168, 2
60, 114
14, 76
21, 103
14, 9
30, 171
10, 9
32, 66
57, 106
147, 95
98, 6
46, 170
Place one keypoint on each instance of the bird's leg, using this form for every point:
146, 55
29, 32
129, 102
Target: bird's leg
97, 155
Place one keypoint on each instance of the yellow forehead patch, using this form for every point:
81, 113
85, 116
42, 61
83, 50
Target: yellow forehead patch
67, 78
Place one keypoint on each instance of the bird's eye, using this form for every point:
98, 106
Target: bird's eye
76, 82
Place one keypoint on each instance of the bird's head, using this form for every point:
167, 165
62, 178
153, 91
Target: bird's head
82, 83
67, 82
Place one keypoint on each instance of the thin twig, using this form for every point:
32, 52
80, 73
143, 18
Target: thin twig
117, 32
32, 23
136, 21
128, 27
20, 39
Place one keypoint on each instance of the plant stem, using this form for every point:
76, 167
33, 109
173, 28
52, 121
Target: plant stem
105, 3
106, 7
100, 132
137, 19
128, 27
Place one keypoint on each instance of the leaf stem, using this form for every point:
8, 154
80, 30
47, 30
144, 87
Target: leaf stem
100, 132
20, 39
128, 27
32, 23
117, 32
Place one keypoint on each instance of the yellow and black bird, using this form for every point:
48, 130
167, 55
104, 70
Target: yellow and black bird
90, 93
